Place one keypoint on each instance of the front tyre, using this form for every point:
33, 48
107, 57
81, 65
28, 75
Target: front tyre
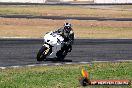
41, 54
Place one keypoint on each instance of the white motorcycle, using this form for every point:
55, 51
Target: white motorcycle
52, 47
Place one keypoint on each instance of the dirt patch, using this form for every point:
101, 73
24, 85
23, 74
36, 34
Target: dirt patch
52, 23
36, 28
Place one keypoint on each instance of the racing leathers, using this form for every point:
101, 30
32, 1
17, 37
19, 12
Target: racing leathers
68, 38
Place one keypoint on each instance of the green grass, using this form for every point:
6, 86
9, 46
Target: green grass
63, 76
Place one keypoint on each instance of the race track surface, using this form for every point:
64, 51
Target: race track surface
23, 51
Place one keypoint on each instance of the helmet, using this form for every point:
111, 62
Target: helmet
67, 27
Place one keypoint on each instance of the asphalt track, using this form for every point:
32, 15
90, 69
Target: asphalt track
23, 51
65, 18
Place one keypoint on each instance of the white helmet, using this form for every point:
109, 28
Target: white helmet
67, 24
67, 27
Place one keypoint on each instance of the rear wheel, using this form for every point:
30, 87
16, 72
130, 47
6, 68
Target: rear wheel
61, 55
41, 54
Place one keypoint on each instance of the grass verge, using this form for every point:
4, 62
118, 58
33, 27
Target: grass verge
65, 76
122, 11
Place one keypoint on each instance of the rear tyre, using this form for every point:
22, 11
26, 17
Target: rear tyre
61, 55
41, 54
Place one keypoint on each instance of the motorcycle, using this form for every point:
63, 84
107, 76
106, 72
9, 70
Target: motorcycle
52, 47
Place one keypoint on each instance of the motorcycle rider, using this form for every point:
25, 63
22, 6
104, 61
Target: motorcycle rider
67, 33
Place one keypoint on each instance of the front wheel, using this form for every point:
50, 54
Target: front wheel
41, 54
